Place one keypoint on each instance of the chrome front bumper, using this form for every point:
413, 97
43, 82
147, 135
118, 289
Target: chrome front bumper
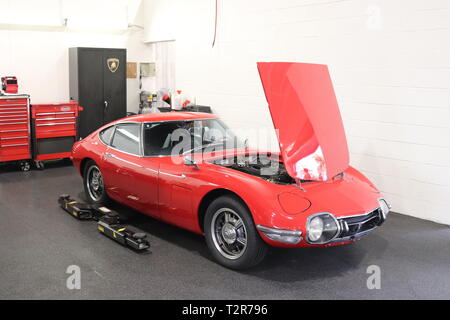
349, 229
281, 235
355, 227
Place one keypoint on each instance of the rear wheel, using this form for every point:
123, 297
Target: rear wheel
94, 186
231, 234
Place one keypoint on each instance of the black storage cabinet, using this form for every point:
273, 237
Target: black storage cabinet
97, 78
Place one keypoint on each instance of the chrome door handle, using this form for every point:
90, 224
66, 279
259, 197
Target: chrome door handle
106, 104
108, 155
182, 176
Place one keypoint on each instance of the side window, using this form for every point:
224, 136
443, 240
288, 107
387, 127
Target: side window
159, 139
105, 135
126, 138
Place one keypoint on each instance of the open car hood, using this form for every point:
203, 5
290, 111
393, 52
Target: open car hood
306, 115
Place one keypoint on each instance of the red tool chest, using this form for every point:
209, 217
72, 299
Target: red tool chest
54, 130
15, 130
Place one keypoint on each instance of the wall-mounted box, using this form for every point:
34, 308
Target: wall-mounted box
147, 69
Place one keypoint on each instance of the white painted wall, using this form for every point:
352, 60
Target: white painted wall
38, 56
389, 60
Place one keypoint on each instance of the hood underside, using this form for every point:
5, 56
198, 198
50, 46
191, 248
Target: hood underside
306, 116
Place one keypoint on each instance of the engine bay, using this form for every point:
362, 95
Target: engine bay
263, 166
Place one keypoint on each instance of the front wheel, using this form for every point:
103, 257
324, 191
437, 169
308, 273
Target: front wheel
94, 186
231, 235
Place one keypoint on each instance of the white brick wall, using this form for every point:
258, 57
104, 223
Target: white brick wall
390, 62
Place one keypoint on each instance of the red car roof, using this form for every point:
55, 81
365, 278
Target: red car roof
168, 116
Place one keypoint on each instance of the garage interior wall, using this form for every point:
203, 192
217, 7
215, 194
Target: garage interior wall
389, 60
34, 48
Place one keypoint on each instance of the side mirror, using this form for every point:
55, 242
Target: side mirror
190, 161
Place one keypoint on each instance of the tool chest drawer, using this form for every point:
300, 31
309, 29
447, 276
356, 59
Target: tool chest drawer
55, 120
54, 129
15, 135
12, 102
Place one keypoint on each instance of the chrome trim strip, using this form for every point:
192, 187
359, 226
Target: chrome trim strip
13, 105
358, 215
282, 233
356, 236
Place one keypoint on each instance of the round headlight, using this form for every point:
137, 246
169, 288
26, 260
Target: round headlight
384, 207
315, 228
322, 228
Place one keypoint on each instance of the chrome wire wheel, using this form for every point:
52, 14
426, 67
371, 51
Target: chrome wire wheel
94, 183
228, 233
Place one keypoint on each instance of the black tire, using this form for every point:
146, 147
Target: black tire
39, 165
218, 239
24, 166
100, 198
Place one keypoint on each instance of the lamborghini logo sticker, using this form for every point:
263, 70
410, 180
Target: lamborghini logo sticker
113, 64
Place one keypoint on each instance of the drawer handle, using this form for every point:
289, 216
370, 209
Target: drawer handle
13, 112
53, 113
53, 124
18, 130
12, 108
12, 138
13, 115
14, 119
64, 118
7, 124
15, 145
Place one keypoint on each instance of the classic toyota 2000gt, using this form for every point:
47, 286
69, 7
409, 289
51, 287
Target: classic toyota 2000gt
241, 199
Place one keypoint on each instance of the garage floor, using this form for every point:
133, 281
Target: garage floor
38, 241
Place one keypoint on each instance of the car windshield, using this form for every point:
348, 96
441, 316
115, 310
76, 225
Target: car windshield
186, 137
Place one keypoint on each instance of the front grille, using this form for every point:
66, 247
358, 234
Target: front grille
356, 226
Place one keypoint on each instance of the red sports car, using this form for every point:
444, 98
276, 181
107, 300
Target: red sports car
187, 169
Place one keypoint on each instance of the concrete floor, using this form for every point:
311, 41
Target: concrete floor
38, 241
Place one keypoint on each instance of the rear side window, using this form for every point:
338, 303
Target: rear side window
127, 138
106, 134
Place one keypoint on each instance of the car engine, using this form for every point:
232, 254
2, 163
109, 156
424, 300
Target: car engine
260, 165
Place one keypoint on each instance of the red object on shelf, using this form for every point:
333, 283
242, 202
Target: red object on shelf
10, 85
14, 128
54, 129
